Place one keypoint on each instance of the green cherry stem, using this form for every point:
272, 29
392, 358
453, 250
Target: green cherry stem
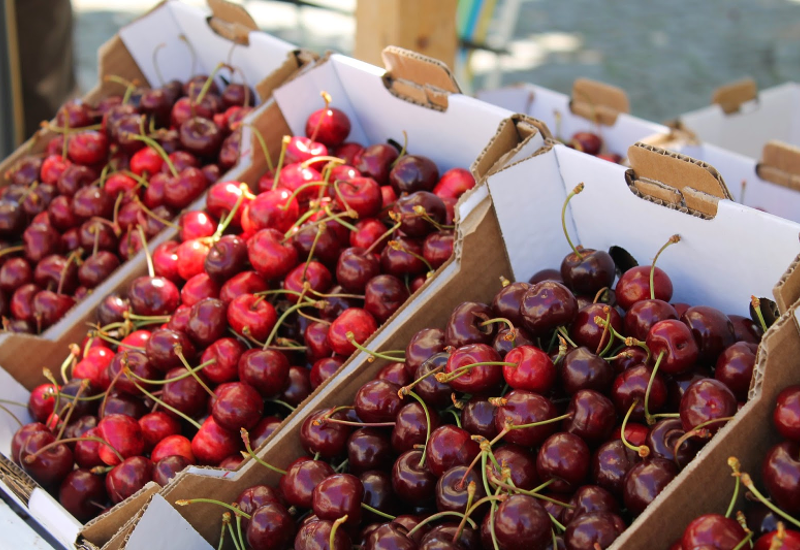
748, 482
187, 418
744, 541
232, 508
642, 450
672, 240
284, 143
251, 454
757, 307
578, 188
435, 517
377, 512
735, 465
352, 339
427, 423
648, 417
192, 372
334, 528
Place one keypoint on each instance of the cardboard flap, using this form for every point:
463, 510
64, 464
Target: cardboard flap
417, 78
599, 102
787, 291
731, 96
231, 21
780, 164
676, 179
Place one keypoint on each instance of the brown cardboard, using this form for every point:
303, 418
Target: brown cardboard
780, 164
731, 96
118, 515
231, 21
599, 102
417, 78
787, 291
692, 183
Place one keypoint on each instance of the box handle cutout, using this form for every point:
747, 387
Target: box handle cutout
417, 78
780, 164
599, 102
676, 180
730, 97
231, 21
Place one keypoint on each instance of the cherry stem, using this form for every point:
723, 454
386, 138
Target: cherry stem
437, 516
108, 392
405, 390
11, 414
11, 250
207, 84
506, 322
321, 158
193, 373
232, 508
334, 528
648, 417
31, 457
338, 295
338, 218
281, 319
153, 144
187, 418
326, 97
427, 421
352, 339
563, 332
228, 218
284, 142
299, 190
261, 142
752, 488
150, 269
540, 423
239, 532
388, 233
642, 450
246, 439
346, 205
579, 188
74, 351
300, 221
445, 378
396, 245
71, 406
672, 240
757, 307
735, 465
744, 541
403, 150
630, 341
281, 403
606, 324
327, 419
471, 490
557, 523
377, 512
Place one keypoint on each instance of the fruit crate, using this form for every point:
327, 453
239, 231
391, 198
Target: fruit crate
516, 232
162, 44
421, 97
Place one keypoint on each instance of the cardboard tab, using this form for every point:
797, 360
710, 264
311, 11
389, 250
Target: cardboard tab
731, 96
231, 21
417, 78
597, 101
676, 179
780, 164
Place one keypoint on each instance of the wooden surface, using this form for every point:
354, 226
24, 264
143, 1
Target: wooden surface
424, 26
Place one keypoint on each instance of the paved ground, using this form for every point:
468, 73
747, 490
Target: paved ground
669, 56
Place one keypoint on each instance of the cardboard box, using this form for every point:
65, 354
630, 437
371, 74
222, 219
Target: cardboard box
593, 107
521, 233
265, 62
416, 95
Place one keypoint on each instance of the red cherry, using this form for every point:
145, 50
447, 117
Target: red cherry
355, 320
634, 285
124, 434
534, 371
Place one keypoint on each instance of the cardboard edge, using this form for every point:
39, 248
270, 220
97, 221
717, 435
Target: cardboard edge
730, 97
597, 101
417, 78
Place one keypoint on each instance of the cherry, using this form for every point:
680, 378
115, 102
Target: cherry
22, 435
412, 481
339, 495
403, 257
593, 530
246, 282
49, 467
565, 458
79, 493
121, 403
506, 339
377, 401
411, 427
367, 234
645, 481
712, 530
789, 539
323, 369
49, 307
412, 173
610, 463
521, 521
270, 526
745, 329
369, 449
466, 325
706, 400
329, 439
265, 428
301, 477
315, 535
252, 316
735, 366
271, 258
124, 434
212, 444
265, 370
357, 321
184, 393
590, 499
631, 385
39, 241
454, 183
207, 321
786, 416
383, 296
592, 416
329, 126
438, 247
167, 468
506, 303
22, 302
88, 147
583, 370
422, 346
712, 330
587, 271
533, 370
237, 406
547, 306
128, 477
14, 273
780, 471
474, 379
634, 286
153, 296
477, 417
376, 161
522, 407
663, 437
156, 426
362, 195
644, 314
173, 445
389, 536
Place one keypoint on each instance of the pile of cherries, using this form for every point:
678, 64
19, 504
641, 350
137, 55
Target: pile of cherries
69, 216
764, 520
549, 418
261, 300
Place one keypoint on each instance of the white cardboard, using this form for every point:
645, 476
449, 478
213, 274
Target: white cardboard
17, 533
543, 104
775, 114
161, 527
719, 262
452, 138
262, 56
51, 515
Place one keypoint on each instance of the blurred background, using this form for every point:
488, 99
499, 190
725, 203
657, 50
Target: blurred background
668, 56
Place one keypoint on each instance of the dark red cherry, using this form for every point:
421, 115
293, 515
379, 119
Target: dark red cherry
128, 478
590, 499
593, 530
271, 526
412, 480
735, 366
339, 495
412, 173
521, 521
422, 346
329, 439
712, 330
522, 407
664, 435
566, 458
634, 285
704, 401
786, 416
581, 369
780, 471
152, 296
265, 370
712, 531
411, 426
589, 272
547, 306
631, 386
592, 416
449, 446
81, 492
610, 463
642, 315
745, 329
369, 449
315, 535
383, 296
645, 481
302, 475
